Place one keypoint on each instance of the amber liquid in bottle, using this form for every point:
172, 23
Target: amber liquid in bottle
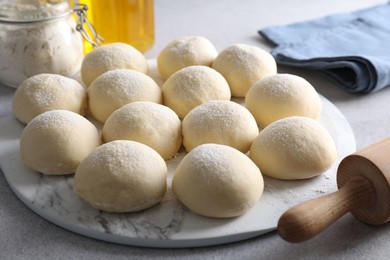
128, 21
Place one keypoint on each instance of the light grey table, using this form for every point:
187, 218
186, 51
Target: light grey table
25, 235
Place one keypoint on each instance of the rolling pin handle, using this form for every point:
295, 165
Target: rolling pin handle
306, 220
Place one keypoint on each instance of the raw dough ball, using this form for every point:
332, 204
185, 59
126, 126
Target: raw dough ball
220, 122
45, 92
216, 180
122, 176
293, 148
116, 88
55, 142
242, 65
149, 123
109, 57
184, 52
282, 95
192, 86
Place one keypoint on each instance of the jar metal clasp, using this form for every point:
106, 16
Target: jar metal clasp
85, 27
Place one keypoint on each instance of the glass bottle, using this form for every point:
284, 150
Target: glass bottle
127, 21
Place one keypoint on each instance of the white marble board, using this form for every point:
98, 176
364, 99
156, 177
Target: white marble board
168, 224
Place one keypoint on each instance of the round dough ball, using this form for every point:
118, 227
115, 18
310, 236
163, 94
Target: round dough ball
122, 176
216, 180
45, 92
192, 86
109, 57
282, 95
183, 52
220, 122
116, 88
242, 65
293, 148
149, 123
55, 142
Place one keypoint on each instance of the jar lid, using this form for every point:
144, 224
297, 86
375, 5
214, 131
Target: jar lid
26, 11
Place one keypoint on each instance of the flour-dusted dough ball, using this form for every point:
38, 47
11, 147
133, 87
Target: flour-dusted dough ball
149, 123
282, 95
183, 52
109, 57
122, 176
293, 148
220, 122
242, 65
116, 88
55, 142
216, 180
45, 92
192, 86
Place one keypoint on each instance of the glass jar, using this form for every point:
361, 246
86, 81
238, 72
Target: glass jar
37, 37
128, 21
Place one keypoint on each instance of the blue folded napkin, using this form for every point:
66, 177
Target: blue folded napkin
351, 48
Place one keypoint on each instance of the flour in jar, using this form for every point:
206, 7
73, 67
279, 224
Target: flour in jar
47, 46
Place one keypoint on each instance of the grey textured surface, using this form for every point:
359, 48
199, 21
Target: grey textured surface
25, 235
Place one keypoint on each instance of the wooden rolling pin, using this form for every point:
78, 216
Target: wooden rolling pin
363, 181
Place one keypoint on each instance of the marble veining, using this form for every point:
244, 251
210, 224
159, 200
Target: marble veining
56, 196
